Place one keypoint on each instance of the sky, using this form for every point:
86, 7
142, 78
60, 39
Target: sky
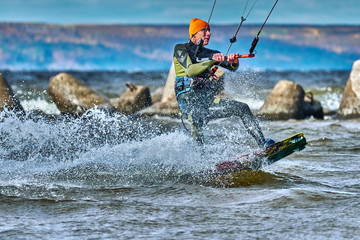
179, 11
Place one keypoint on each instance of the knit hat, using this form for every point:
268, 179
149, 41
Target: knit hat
196, 25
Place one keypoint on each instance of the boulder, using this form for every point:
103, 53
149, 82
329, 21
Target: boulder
350, 103
312, 107
168, 105
133, 99
7, 97
170, 109
284, 102
71, 96
287, 100
169, 90
157, 95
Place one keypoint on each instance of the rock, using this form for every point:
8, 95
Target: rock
7, 97
161, 108
169, 90
312, 107
168, 105
74, 97
157, 95
350, 103
288, 101
328, 112
133, 99
220, 73
284, 102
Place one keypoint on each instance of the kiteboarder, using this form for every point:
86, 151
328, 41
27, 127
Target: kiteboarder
196, 84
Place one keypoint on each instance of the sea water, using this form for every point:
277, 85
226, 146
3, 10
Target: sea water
107, 176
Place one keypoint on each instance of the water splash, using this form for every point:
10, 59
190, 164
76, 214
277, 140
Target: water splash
97, 148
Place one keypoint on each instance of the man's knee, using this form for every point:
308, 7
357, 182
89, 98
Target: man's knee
239, 107
244, 107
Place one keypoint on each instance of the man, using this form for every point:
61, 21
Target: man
196, 84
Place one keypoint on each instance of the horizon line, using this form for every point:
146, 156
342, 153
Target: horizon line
174, 24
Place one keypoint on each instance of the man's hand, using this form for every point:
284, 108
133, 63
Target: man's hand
218, 57
233, 58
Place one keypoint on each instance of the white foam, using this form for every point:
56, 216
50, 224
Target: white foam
40, 104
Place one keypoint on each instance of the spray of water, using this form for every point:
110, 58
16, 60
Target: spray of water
98, 148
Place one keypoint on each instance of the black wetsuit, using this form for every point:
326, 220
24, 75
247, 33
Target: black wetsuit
196, 88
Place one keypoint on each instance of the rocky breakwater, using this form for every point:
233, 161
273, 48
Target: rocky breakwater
135, 98
8, 100
350, 103
288, 100
72, 96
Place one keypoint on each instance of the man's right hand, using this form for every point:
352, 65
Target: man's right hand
233, 58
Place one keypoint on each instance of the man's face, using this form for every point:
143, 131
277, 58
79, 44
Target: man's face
200, 34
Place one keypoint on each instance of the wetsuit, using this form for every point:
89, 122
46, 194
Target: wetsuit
196, 88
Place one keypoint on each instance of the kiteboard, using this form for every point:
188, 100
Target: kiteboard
249, 162
265, 156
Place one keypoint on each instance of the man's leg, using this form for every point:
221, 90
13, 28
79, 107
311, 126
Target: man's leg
222, 108
195, 111
196, 128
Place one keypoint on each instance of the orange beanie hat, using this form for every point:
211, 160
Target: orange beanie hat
197, 24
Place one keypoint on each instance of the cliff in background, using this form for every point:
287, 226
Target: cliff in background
118, 47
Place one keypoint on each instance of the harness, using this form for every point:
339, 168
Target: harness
185, 84
182, 85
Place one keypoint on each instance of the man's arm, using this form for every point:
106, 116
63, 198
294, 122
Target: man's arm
230, 66
189, 68
194, 69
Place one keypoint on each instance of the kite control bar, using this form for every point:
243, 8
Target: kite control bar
250, 55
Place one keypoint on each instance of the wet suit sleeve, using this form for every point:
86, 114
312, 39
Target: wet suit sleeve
182, 60
230, 66
197, 68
